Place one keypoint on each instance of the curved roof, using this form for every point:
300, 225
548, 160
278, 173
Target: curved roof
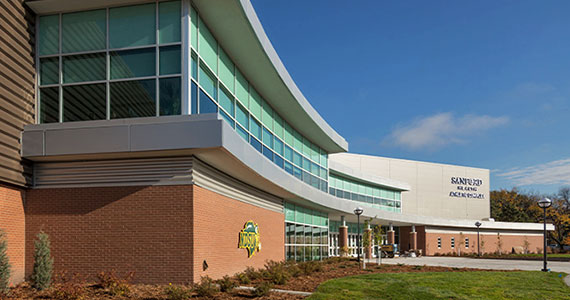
236, 25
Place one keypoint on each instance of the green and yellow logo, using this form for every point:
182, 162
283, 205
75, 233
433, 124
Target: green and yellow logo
249, 238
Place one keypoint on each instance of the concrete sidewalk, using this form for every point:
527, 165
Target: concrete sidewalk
476, 263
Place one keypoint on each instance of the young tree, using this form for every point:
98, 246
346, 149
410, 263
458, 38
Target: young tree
43, 262
378, 236
499, 244
4, 264
460, 243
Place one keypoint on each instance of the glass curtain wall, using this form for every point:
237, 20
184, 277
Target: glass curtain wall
306, 233
218, 85
374, 196
94, 66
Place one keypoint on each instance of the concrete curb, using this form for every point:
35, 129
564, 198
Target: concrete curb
567, 280
249, 288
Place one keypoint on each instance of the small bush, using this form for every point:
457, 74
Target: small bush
262, 289
252, 273
4, 264
309, 267
243, 278
206, 288
227, 284
400, 265
69, 288
276, 272
292, 268
418, 267
43, 262
115, 284
177, 292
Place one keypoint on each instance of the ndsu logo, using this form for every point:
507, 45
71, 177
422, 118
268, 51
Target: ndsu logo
249, 238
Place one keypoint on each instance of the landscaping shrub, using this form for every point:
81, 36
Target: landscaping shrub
115, 284
418, 267
206, 288
227, 284
243, 278
4, 264
177, 292
309, 267
262, 289
276, 272
43, 262
69, 288
252, 273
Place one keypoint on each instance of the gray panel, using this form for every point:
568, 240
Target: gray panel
87, 140
32, 143
179, 135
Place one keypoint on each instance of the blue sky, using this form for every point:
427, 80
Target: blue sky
475, 83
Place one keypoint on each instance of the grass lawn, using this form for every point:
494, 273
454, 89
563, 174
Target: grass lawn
446, 285
565, 255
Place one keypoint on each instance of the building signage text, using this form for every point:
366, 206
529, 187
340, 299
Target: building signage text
466, 188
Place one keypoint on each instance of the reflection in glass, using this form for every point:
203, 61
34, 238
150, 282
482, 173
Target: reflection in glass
84, 31
49, 105
86, 67
49, 70
133, 99
123, 20
170, 96
84, 102
133, 63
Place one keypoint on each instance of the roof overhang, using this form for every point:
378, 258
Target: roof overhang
236, 25
213, 141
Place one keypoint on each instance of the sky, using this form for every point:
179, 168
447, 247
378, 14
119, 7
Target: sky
475, 83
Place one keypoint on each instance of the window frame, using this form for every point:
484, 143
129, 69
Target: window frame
107, 51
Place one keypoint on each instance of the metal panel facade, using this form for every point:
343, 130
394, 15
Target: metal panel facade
17, 79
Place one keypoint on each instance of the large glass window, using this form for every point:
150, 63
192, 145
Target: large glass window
131, 99
84, 31
122, 21
108, 70
306, 233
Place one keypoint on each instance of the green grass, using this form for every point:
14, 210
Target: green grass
566, 255
446, 285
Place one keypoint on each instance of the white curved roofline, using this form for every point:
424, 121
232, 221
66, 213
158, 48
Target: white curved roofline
238, 29
346, 171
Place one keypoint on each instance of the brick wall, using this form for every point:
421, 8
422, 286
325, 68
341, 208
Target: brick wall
490, 245
218, 221
147, 230
12, 221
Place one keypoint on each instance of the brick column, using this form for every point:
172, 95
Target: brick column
368, 250
413, 239
342, 239
391, 235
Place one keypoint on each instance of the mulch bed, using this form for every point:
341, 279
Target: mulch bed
306, 283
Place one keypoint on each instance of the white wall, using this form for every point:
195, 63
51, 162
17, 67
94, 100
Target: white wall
430, 185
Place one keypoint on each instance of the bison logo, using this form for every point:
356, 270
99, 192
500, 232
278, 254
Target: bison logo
249, 238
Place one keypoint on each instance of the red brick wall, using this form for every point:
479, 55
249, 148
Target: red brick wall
218, 221
147, 230
12, 221
509, 241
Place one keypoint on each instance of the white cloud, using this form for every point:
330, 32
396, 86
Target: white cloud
442, 129
554, 172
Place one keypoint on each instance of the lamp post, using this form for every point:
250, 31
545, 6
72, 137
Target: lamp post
478, 224
544, 203
358, 211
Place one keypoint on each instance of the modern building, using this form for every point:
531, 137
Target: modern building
167, 138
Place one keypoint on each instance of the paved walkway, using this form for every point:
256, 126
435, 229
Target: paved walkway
476, 263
